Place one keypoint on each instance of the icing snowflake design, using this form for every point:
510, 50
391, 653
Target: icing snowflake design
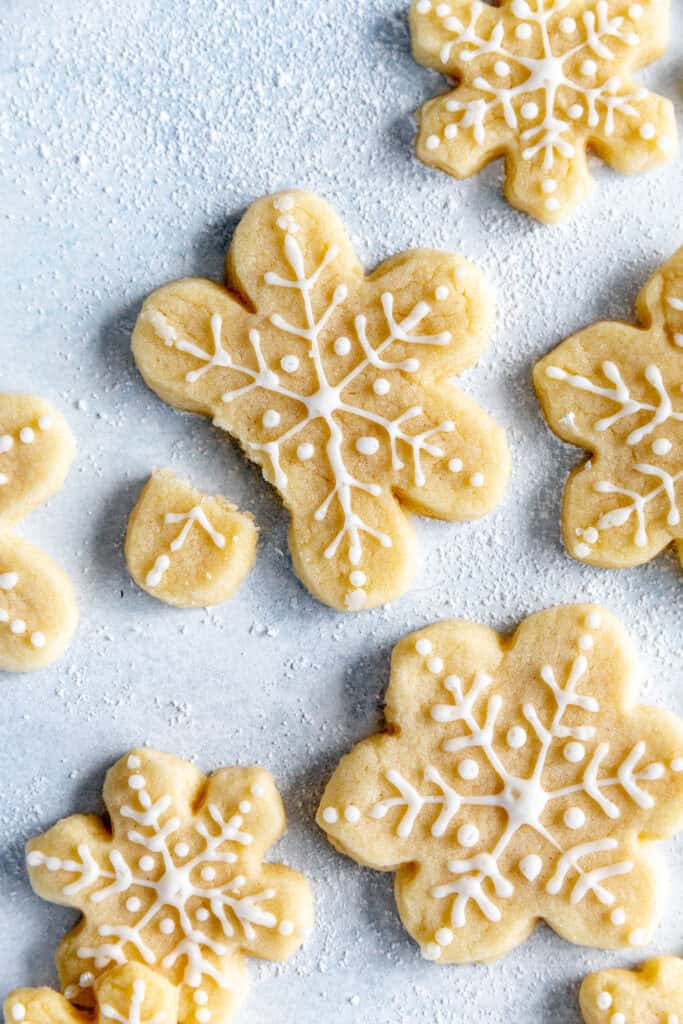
542, 80
188, 519
654, 994
129, 994
618, 390
331, 387
181, 891
513, 786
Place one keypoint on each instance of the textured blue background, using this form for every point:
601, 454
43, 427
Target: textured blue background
133, 135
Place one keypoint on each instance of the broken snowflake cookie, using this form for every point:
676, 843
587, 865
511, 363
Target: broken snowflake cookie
186, 548
336, 385
651, 995
616, 390
517, 782
541, 82
178, 883
38, 611
129, 994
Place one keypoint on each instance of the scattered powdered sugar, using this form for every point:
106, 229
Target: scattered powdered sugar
132, 137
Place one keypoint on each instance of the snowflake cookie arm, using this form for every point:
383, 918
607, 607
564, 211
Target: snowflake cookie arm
654, 992
38, 612
42, 1006
36, 451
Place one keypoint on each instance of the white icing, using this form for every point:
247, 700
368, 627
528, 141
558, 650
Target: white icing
530, 62
531, 866
328, 400
167, 894
25, 435
195, 515
133, 1013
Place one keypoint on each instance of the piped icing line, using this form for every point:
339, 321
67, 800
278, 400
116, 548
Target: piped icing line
16, 625
173, 888
25, 435
532, 91
479, 878
195, 515
327, 401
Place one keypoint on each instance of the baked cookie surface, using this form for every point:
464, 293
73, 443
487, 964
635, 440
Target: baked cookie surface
651, 995
517, 781
335, 383
540, 82
616, 390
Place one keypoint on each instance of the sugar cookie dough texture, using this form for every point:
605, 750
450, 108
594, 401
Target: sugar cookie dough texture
540, 82
652, 995
616, 390
179, 882
336, 385
187, 548
518, 782
38, 613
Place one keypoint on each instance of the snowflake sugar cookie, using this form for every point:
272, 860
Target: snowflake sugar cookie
129, 994
178, 884
38, 612
336, 385
517, 782
186, 548
652, 995
541, 82
617, 391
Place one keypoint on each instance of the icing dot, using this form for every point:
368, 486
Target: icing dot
591, 535
618, 916
6, 443
367, 445
588, 67
342, 346
133, 904
553, 203
257, 789
516, 737
529, 110
549, 185
575, 111
181, 849
450, 131
86, 979
136, 782
442, 292
604, 1001
331, 815
208, 874
647, 131
502, 68
635, 11
202, 914
574, 752
531, 867
637, 937
244, 806
286, 928
381, 386
18, 627
166, 925
424, 7
662, 446
27, 435
582, 551
593, 620
423, 646
45, 422
677, 764
586, 642
574, 818
468, 769
305, 451
617, 1018
435, 665
203, 1015
432, 951
468, 835
443, 10
133, 762
271, 418
477, 480
290, 364
358, 578
523, 31
18, 1011
444, 936
568, 25
146, 863
38, 639
200, 997
455, 465
432, 142
352, 814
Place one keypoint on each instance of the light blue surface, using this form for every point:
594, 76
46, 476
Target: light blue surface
133, 135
